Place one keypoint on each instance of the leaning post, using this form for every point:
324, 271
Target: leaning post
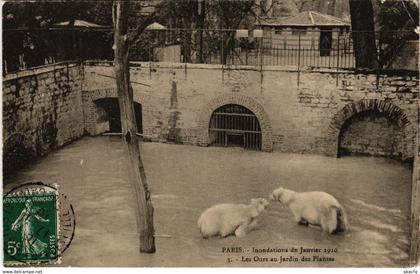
143, 207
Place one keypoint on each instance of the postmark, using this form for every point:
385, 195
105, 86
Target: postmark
38, 224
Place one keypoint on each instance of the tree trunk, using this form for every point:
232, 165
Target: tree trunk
363, 34
187, 43
144, 207
202, 16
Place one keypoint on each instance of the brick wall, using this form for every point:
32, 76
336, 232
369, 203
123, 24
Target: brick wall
371, 134
299, 112
42, 110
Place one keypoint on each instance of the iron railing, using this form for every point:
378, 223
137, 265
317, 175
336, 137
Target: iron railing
23, 49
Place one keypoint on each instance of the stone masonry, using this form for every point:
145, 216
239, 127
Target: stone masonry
42, 110
299, 112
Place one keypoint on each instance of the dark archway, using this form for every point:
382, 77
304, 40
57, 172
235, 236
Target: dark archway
379, 112
108, 111
235, 125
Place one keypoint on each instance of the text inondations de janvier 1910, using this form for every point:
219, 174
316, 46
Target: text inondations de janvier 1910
279, 255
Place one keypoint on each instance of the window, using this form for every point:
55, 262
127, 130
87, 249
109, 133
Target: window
278, 31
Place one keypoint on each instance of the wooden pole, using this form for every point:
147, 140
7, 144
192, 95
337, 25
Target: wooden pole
415, 204
144, 207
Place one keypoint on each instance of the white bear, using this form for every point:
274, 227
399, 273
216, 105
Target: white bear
315, 208
227, 219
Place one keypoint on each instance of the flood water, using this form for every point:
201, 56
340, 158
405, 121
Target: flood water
185, 180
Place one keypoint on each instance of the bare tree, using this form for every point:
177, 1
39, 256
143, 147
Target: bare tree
230, 15
144, 207
300, 4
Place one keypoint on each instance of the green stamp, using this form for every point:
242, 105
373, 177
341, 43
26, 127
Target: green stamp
30, 228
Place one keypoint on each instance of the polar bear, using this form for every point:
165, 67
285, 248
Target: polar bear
227, 219
315, 208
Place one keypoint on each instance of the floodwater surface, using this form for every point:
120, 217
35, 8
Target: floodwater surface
185, 180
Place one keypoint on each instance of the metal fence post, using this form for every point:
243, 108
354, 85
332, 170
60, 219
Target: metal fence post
298, 76
299, 49
338, 57
222, 50
338, 50
379, 57
261, 51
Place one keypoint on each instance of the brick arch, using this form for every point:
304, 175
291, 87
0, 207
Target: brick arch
245, 101
90, 97
98, 94
393, 112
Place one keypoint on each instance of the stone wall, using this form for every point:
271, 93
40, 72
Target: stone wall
42, 110
390, 96
371, 133
299, 111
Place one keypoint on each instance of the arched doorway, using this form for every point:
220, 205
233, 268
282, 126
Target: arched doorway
371, 133
108, 111
203, 136
372, 127
235, 125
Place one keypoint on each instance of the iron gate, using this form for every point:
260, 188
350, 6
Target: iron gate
235, 125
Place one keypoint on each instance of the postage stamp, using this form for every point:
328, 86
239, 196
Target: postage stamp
32, 229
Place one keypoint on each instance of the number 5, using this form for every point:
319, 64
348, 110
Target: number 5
12, 248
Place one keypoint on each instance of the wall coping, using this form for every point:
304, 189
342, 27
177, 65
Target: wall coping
185, 66
38, 70
170, 65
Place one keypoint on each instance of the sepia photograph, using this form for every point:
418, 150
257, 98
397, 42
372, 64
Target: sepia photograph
210, 133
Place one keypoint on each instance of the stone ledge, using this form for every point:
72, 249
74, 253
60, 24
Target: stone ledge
170, 65
39, 70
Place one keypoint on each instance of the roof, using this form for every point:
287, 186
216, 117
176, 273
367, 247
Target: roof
79, 24
305, 19
155, 26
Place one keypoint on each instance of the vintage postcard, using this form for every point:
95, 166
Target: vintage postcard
210, 133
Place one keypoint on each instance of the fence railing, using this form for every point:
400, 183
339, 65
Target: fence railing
313, 49
23, 49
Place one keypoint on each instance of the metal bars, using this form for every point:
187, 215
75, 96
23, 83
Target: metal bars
234, 125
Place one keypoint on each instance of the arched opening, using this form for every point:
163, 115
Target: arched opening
235, 125
371, 133
252, 106
108, 114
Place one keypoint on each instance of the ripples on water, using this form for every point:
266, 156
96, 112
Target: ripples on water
186, 179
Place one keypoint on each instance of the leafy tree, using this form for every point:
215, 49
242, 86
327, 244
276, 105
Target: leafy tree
33, 18
189, 15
